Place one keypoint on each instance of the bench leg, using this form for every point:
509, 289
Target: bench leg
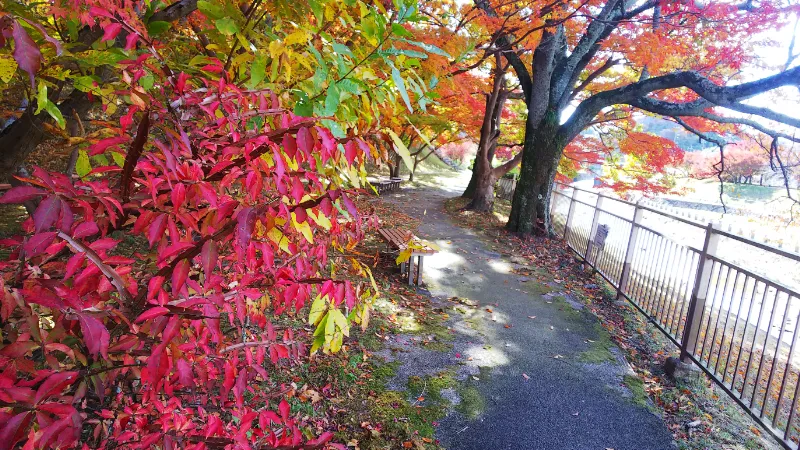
419, 270
411, 270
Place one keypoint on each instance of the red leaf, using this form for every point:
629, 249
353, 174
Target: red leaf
21, 194
38, 243
111, 31
95, 335
209, 257
305, 142
85, 229
157, 228
297, 190
184, 372
54, 384
179, 276
245, 222
283, 408
351, 207
350, 151
130, 41
47, 213
289, 145
14, 430
26, 53
178, 195
152, 313
322, 439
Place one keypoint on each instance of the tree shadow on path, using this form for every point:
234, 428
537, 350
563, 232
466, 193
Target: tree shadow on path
551, 382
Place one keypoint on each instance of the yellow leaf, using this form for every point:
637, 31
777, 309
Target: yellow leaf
403, 256
275, 49
303, 228
298, 37
401, 149
319, 306
7, 67
277, 237
320, 219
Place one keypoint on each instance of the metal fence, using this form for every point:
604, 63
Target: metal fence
711, 292
504, 188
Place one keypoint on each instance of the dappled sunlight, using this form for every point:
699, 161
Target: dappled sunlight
486, 356
500, 266
442, 264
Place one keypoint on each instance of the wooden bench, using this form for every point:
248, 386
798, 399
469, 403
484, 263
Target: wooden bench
387, 185
398, 239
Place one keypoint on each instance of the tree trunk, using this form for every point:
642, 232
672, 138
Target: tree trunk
541, 154
394, 169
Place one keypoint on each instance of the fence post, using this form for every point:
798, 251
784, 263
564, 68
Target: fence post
593, 229
697, 303
626, 267
571, 212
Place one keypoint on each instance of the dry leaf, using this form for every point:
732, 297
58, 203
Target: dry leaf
524, 375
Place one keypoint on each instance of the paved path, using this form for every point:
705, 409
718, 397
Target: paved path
564, 404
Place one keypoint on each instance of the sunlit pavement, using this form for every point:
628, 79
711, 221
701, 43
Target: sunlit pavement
539, 394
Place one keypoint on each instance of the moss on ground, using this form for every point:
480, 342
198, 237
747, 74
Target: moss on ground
599, 350
472, 404
638, 393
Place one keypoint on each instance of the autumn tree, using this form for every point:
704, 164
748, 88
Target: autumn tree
152, 298
587, 63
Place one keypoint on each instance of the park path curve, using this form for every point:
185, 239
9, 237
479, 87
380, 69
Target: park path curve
539, 393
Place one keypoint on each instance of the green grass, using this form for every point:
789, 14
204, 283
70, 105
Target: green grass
752, 193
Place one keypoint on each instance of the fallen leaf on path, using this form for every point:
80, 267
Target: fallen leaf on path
531, 317
552, 327
507, 325
524, 375
575, 414
558, 356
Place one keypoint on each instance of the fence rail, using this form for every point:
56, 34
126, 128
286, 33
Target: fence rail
711, 292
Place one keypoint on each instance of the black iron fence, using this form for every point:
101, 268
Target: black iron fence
729, 303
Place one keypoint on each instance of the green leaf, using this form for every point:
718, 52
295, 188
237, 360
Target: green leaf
434, 81
95, 58
319, 12
333, 126
427, 47
401, 86
227, 26
100, 160
147, 82
401, 51
331, 101
211, 9
342, 49
82, 165
86, 83
119, 158
349, 86
401, 30
401, 149
55, 113
41, 98
303, 106
157, 27
258, 71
